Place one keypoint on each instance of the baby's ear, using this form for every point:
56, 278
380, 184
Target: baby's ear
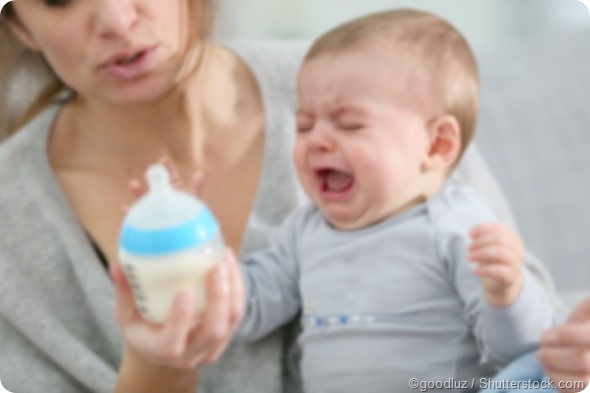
444, 135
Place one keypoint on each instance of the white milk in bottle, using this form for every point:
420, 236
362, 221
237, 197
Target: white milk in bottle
169, 241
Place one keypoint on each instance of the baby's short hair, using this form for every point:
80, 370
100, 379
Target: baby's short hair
430, 49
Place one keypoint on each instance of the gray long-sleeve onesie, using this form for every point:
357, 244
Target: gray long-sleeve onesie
391, 302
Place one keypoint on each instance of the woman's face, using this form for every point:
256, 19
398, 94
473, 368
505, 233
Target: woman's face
118, 51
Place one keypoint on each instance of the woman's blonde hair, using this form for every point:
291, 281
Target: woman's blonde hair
28, 84
429, 47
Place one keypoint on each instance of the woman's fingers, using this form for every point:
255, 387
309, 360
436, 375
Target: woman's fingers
569, 335
136, 331
569, 383
196, 187
565, 352
165, 344
213, 330
236, 304
570, 360
178, 326
137, 188
567, 367
581, 313
238, 291
175, 178
179, 343
159, 341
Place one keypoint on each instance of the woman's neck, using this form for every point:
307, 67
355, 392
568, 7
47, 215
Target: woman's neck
190, 125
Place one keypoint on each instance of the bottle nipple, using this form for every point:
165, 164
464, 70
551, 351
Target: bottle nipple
158, 178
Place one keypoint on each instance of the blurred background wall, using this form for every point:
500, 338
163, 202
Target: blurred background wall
484, 22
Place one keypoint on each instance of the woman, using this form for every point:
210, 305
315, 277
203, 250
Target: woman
565, 350
143, 81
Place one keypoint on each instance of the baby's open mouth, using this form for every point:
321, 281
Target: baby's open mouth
334, 180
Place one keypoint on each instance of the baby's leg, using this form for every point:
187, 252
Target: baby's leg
523, 375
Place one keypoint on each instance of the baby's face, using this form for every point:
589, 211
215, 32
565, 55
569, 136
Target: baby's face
360, 148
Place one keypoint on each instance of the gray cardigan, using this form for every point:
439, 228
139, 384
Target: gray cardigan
58, 331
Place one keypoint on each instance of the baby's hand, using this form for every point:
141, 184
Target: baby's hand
500, 255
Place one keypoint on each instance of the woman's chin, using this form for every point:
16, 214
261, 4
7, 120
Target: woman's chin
147, 90
137, 95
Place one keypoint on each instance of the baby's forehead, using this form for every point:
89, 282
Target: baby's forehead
368, 61
374, 50
352, 74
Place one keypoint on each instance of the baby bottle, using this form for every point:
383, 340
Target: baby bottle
169, 241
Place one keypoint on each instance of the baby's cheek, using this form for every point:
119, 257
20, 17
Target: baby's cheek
376, 184
299, 159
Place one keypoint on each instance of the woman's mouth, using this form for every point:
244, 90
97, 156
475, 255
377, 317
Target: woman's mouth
129, 60
130, 65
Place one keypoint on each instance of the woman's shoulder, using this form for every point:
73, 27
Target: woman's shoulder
274, 63
28, 139
23, 160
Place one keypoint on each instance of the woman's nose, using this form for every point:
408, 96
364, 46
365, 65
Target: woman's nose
114, 18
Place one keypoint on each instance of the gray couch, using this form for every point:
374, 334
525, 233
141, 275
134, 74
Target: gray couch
534, 132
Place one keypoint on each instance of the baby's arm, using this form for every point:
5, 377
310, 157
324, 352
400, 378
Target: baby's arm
508, 332
271, 279
502, 332
499, 253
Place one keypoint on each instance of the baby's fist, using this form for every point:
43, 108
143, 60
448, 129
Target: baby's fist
500, 255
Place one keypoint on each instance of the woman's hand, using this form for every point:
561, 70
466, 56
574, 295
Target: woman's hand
179, 343
565, 351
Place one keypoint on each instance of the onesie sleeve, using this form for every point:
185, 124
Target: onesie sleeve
271, 279
502, 334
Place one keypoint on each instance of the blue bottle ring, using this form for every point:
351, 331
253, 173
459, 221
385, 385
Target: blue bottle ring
198, 231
